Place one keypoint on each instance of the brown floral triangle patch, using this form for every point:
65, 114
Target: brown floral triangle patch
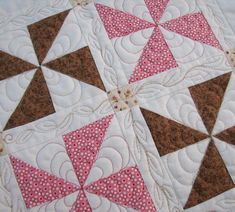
227, 135
208, 97
11, 66
168, 135
35, 104
44, 32
212, 179
79, 65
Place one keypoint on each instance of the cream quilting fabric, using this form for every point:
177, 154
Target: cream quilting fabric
117, 105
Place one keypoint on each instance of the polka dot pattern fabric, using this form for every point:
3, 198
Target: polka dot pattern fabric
81, 204
118, 23
195, 27
125, 188
83, 145
156, 11
38, 186
156, 58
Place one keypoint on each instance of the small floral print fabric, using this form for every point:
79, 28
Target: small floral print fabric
110, 105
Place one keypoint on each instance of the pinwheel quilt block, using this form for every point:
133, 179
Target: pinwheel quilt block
119, 105
156, 56
124, 187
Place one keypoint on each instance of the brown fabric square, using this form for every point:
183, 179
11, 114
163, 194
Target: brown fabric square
208, 97
35, 104
44, 32
170, 136
11, 66
79, 65
212, 180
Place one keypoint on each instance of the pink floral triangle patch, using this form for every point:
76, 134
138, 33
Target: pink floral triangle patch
83, 145
118, 23
81, 204
156, 56
125, 188
195, 27
38, 186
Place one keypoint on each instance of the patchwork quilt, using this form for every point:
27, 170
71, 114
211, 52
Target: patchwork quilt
116, 105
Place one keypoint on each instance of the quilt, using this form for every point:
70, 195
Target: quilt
116, 105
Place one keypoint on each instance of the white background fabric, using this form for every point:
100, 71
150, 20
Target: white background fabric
228, 8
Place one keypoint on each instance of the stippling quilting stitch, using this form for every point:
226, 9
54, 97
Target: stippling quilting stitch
125, 187
79, 65
36, 102
89, 168
11, 66
156, 56
212, 178
38, 186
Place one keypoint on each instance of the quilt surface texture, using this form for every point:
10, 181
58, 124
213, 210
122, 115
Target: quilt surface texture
116, 106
